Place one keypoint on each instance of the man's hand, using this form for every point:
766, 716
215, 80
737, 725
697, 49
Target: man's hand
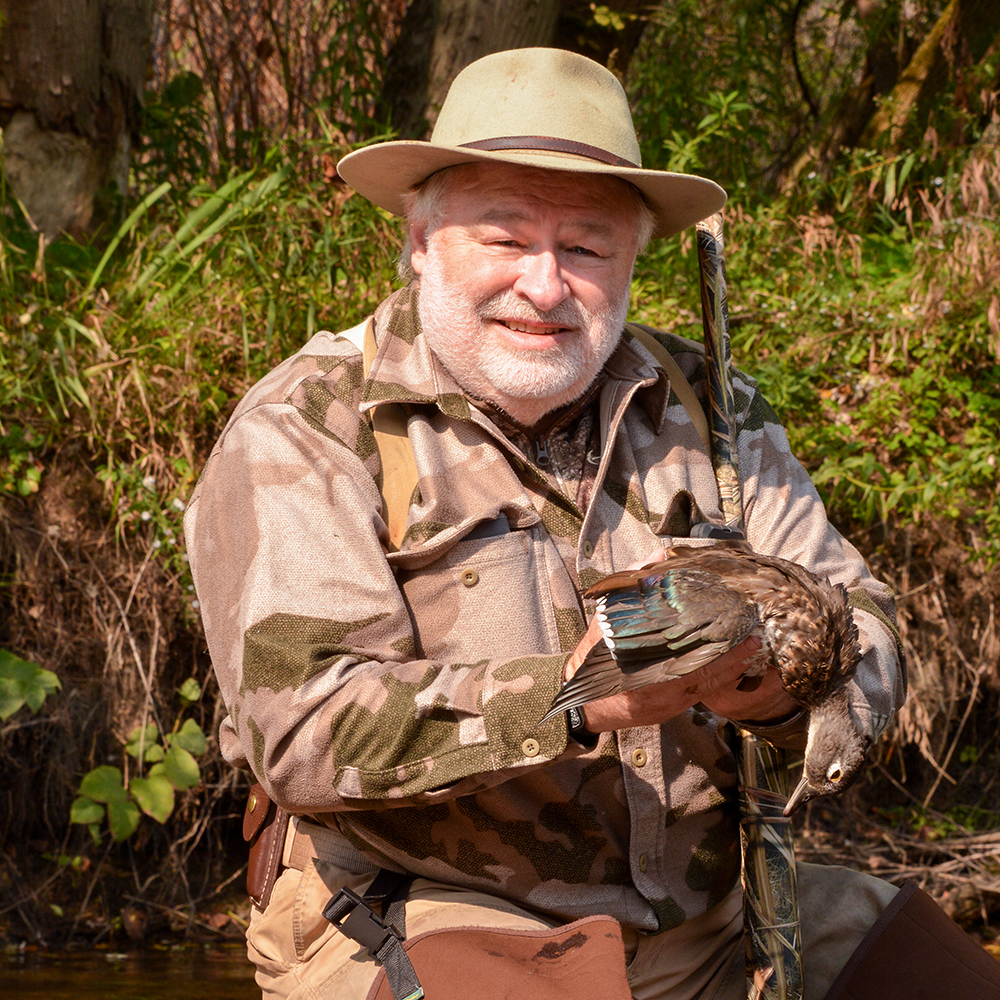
715, 685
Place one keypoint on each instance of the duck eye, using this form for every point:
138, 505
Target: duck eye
834, 774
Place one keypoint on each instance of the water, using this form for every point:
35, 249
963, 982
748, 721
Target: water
184, 972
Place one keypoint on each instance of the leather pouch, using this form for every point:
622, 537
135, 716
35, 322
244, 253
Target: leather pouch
264, 828
915, 950
583, 959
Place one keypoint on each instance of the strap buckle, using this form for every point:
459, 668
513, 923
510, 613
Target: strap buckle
352, 916
723, 532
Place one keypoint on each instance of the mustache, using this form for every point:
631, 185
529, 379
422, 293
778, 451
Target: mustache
507, 305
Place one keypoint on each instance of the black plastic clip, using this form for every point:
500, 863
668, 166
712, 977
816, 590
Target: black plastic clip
722, 532
352, 916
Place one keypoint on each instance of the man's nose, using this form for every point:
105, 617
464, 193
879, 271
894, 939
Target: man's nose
542, 280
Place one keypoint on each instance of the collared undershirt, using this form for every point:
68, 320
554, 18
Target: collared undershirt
563, 446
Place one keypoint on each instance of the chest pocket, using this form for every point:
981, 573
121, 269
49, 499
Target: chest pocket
488, 596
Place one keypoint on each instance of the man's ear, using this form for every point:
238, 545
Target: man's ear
418, 246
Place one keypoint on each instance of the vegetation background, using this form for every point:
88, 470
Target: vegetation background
859, 144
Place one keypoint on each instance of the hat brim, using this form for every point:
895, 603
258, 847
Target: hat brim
385, 171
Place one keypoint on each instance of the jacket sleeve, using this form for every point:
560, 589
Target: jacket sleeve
313, 643
786, 517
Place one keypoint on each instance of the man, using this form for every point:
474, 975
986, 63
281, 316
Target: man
386, 691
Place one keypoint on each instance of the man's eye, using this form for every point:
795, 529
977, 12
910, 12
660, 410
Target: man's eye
584, 251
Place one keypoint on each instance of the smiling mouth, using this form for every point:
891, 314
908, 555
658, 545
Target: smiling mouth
535, 329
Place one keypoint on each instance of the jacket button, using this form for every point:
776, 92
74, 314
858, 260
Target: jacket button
251, 803
588, 549
531, 748
469, 577
639, 757
643, 862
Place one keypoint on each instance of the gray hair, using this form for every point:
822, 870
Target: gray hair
424, 205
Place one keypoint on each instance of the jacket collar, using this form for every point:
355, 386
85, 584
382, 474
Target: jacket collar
405, 370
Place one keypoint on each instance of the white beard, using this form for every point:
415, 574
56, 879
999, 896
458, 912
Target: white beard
526, 384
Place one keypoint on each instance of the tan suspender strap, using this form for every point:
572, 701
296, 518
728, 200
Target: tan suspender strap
368, 345
399, 471
678, 382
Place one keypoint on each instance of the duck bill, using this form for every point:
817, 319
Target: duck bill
801, 793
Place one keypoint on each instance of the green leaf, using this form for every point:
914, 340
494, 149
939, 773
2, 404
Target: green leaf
191, 737
123, 818
104, 784
183, 89
85, 331
85, 810
890, 184
155, 796
123, 230
142, 739
190, 690
181, 768
906, 168
23, 683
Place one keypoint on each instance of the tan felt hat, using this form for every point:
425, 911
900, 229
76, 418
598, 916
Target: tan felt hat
542, 108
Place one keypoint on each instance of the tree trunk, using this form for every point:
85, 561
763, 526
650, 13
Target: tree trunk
965, 30
71, 77
893, 114
439, 38
608, 33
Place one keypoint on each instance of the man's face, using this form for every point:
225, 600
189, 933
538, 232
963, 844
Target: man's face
524, 281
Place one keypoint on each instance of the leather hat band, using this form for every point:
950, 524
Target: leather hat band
551, 145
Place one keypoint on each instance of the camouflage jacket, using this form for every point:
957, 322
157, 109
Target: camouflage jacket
397, 696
